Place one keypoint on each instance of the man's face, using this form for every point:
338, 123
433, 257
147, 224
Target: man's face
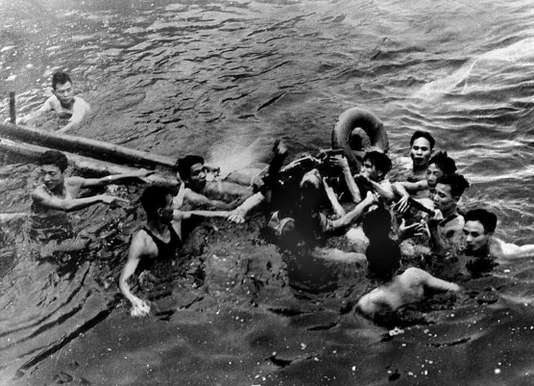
197, 180
443, 199
166, 213
475, 236
64, 93
432, 175
369, 170
420, 151
52, 176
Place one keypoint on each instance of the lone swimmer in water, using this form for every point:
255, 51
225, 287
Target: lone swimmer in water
63, 102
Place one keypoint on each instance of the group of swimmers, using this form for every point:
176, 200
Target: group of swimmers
305, 203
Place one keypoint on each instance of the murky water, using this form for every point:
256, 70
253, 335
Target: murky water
169, 77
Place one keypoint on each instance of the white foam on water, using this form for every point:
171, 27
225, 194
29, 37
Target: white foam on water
518, 52
235, 154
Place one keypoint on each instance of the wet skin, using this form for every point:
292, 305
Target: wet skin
65, 94
420, 152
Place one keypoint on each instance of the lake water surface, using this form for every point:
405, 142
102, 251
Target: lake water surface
224, 79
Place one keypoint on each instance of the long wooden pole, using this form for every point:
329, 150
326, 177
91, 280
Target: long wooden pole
83, 164
12, 109
86, 146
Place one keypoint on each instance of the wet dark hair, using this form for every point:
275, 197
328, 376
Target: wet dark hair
60, 77
485, 217
380, 161
383, 254
183, 165
154, 197
457, 182
445, 163
54, 157
423, 134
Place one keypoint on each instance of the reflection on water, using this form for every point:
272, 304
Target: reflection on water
195, 76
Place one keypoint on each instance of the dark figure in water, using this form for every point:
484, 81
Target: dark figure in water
159, 239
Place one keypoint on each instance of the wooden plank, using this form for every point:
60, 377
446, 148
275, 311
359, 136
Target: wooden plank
85, 146
81, 163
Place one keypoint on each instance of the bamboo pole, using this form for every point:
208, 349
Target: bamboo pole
81, 163
85, 146
12, 110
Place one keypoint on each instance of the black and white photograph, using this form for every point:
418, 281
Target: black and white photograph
266, 192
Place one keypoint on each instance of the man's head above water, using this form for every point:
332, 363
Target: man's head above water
157, 202
478, 229
421, 146
449, 189
439, 165
192, 171
53, 164
62, 85
375, 165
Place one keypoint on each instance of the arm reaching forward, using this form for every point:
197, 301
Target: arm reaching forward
138, 248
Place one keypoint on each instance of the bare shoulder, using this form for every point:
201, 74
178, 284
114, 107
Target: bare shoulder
81, 103
414, 276
142, 244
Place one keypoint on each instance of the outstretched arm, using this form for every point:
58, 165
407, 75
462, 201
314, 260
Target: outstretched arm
418, 277
238, 214
88, 182
439, 284
137, 249
200, 200
79, 110
70, 204
509, 251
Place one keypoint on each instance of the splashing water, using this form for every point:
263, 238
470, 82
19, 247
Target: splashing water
521, 52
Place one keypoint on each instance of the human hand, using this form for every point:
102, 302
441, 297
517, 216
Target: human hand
413, 230
371, 198
236, 216
139, 308
403, 204
339, 161
279, 147
142, 173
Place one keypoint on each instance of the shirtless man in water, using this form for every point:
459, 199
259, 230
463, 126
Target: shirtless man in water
63, 102
481, 244
60, 193
383, 257
200, 193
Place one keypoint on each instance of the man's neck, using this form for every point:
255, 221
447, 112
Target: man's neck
58, 191
156, 226
451, 213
